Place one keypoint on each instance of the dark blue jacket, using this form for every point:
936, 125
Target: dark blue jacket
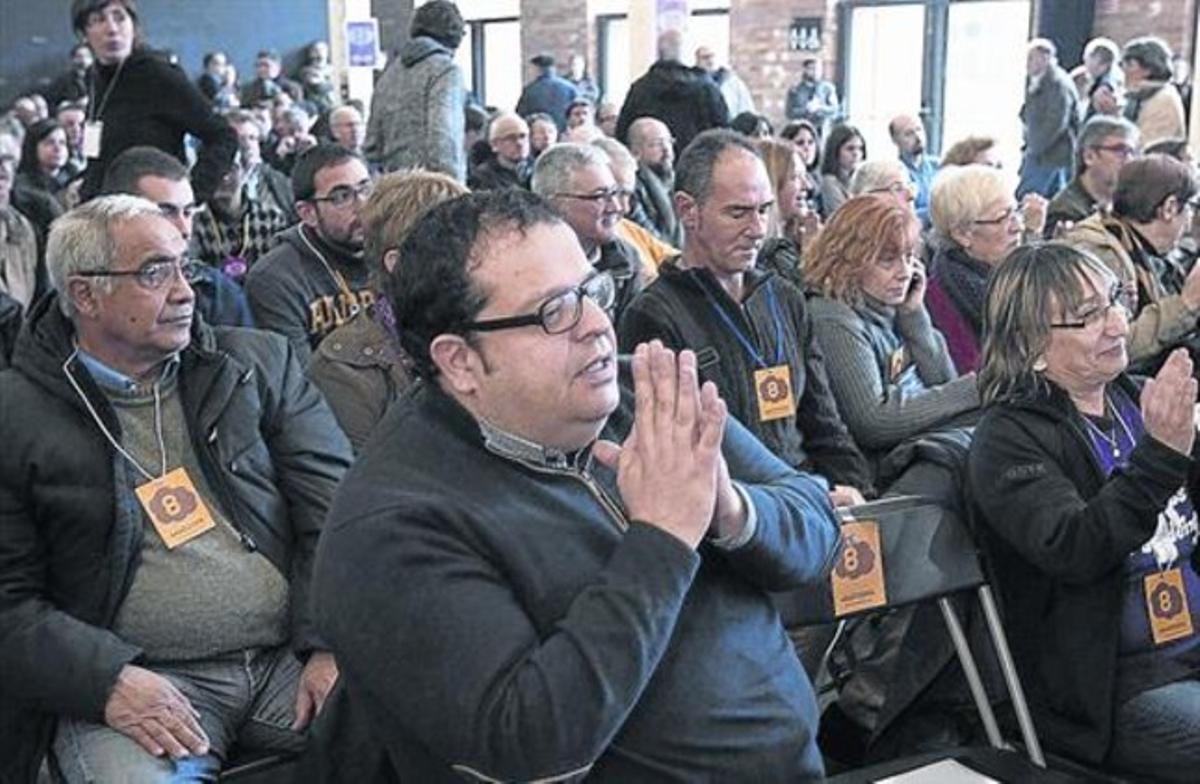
549, 93
498, 616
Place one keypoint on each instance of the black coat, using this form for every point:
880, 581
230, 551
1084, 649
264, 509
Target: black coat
684, 98
152, 102
71, 531
1055, 534
676, 308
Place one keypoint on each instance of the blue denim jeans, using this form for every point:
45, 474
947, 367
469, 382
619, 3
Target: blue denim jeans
247, 697
1046, 180
1156, 734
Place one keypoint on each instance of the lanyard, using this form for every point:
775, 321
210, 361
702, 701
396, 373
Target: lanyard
338, 280
745, 342
162, 447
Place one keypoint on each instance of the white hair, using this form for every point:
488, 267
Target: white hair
81, 240
876, 175
555, 167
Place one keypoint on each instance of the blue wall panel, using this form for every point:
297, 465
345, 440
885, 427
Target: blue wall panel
36, 36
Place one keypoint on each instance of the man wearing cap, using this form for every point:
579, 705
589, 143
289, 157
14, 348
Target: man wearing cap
548, 93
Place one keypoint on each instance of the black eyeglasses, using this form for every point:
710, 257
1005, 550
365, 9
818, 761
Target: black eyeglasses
1098, 314
608, 194
343, 195
559, 313
152, 275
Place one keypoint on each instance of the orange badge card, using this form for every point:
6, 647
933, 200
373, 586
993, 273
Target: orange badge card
1167, 607
773, 386
858, 574
175, 508
896, 364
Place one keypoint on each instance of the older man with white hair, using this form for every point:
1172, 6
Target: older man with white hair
578, 181
162, 487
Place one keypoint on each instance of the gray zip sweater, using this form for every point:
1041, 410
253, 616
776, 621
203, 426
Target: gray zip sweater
890, 372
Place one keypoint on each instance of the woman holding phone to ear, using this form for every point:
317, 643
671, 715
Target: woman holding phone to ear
138, 97
888, 367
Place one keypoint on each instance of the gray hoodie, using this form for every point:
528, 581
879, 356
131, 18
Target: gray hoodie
417, 112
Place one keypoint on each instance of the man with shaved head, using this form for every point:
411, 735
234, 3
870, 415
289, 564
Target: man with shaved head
510, 167
682, 97
651, 144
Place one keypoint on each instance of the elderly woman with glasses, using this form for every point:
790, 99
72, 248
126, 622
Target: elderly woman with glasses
888, 367
976, 224
1083, 486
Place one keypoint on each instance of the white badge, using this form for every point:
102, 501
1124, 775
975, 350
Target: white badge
91, 138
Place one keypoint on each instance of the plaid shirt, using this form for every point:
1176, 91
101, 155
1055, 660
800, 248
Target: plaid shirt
216, 238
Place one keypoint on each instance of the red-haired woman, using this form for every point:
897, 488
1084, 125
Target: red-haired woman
888, 367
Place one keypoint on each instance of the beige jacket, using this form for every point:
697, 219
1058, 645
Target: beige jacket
1161, 322
1161, 116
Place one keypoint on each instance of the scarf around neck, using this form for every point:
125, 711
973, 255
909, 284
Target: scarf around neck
965, 280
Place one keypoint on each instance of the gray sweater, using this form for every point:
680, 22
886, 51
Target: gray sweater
890, 372
209, 595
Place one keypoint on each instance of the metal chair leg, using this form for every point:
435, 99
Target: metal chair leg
1000, 643
972, 674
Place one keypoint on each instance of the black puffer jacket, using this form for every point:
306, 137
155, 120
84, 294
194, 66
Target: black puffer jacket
70, 531
684, 98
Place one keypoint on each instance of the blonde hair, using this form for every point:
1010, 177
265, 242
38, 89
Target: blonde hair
779, 157
858, 233
399, 200
876, 175
960, 194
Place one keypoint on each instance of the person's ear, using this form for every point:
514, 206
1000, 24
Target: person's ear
390, 259
458, 363
307, 212
82, 296
962, 236
688, 210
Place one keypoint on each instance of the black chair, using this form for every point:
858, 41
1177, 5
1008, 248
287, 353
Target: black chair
928, 555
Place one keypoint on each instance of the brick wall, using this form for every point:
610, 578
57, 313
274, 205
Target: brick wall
759, 30
559, 27
1121, 20
759, 52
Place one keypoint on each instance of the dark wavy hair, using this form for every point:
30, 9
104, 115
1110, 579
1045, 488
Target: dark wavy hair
431, 289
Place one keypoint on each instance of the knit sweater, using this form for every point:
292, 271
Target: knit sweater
890, 372
178, 604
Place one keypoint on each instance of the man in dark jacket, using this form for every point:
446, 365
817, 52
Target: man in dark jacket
578, 180
1051, 118
651, 144
162, 488
711, 297
548, 93
1105, 144
682, 97
537, 591
315, 279
509, 166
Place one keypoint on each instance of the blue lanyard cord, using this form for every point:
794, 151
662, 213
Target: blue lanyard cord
780, 353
